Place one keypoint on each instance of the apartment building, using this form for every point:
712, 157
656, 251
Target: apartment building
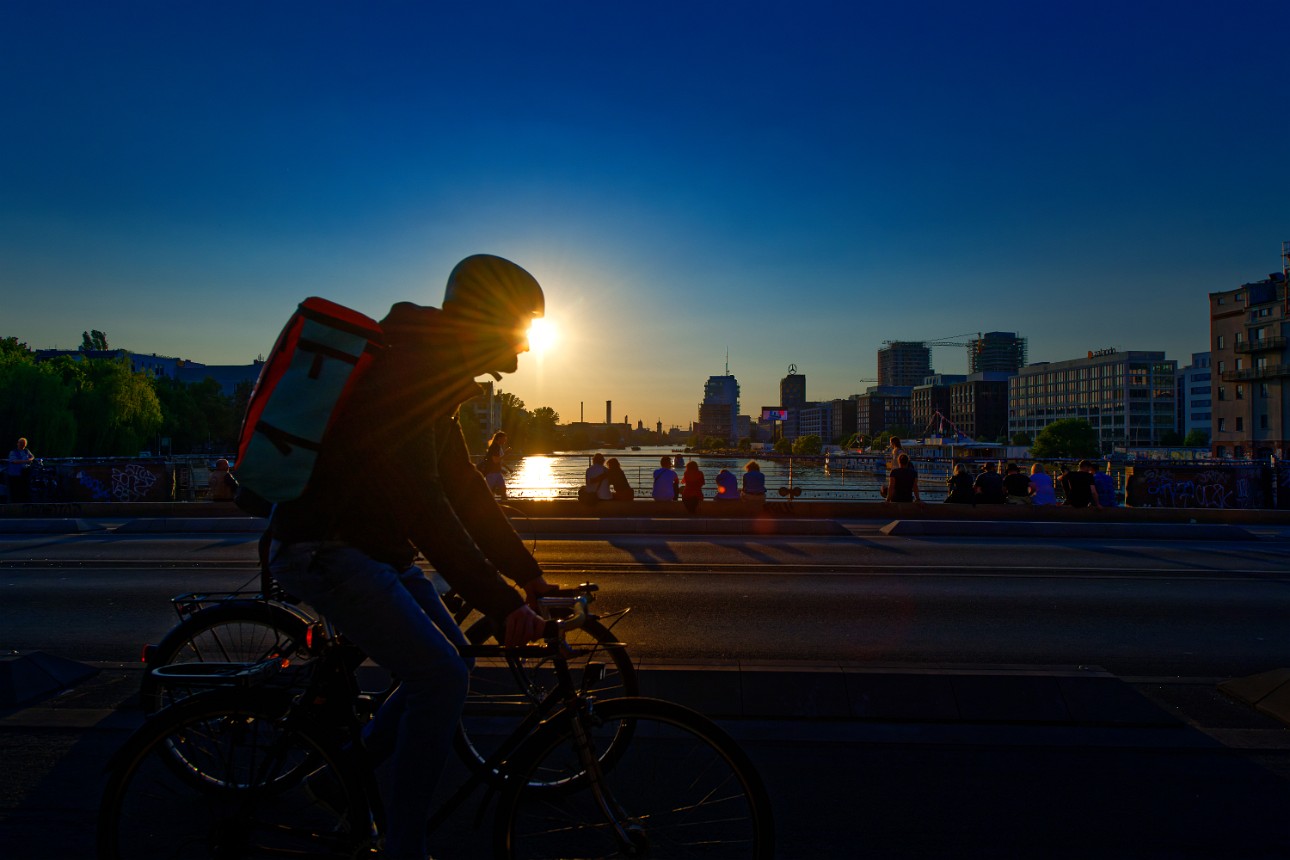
1250, 366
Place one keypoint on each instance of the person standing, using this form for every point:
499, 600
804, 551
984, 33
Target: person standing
491, 465
902, 483
19, 472
1042, 491
692, 487
893, 453
347, 546
666, 483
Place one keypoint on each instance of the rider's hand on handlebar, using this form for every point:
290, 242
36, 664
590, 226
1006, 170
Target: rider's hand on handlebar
535, 588
522, 627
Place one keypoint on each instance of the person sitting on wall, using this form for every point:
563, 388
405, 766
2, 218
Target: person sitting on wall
902, 483
754, 482
222, 484
727, 486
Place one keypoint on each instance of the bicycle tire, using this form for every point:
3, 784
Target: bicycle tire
501, 696
240, 802
683, 789
234, 631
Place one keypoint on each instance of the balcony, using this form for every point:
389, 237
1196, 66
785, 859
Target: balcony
1275, 371
1264, 345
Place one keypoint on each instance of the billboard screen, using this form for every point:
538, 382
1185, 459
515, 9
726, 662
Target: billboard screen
774, 415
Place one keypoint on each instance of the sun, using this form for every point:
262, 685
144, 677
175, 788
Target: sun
542, 336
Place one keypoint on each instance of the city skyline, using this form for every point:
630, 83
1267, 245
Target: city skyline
794, 186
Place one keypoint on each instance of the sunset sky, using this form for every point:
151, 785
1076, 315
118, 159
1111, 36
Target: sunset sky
791, 182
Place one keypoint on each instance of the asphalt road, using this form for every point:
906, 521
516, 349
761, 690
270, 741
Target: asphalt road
1136, 608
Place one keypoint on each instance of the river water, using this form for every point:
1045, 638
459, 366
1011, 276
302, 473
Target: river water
560, 475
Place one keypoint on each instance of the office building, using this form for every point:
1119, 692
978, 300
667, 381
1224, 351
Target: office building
1195, 396
931, 397
979, 406
719, 411
883, 408
904, 363
1250, 363
792, 389
1128, 397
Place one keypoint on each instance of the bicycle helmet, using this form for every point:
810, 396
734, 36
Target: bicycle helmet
493, 291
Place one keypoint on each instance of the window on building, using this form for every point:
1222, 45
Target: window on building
1220, 451
1263, 422
1222, 423
1222, 393
1240, 392
1240, 297
1240, 424
1221, 366
1263, 390
1236, 338
1218, 344
1220, 300
1240, 364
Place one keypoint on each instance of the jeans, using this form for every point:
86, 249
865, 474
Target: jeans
398, 620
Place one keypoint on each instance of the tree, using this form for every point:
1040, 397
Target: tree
1022, 440
197, 416
807, 445
117, 410
1196, 439
1171, 439
1068, 437
12, 349
783, 446
542, 429
36, 402
93, 340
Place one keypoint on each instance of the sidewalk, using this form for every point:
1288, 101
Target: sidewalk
894, 761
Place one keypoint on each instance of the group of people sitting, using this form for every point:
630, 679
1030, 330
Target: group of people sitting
1085, 486
605, 481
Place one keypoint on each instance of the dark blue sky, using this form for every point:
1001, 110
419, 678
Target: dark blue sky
796, 182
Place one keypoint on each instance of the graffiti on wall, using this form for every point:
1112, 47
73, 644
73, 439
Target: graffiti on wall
121, 482
1179, 487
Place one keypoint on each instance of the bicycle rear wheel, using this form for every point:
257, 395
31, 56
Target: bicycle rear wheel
240, 789
235, 631
682, 789
502, 692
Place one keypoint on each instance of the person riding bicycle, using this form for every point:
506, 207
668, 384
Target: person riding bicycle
394, 476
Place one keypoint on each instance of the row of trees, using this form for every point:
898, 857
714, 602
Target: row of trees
99, 407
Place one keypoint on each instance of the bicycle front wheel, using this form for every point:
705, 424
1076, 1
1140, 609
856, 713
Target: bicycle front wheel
681, 789
249, 784
505, 691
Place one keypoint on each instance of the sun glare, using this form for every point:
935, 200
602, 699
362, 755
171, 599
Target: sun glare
542, 336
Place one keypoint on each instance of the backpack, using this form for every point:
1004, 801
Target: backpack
323, 348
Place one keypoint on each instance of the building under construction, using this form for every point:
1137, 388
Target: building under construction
997, 352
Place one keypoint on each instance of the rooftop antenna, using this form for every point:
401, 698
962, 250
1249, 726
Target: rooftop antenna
727, 361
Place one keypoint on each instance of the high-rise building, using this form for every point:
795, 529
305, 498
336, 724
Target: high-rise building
719, 411
996, 352
1250, 359
792, 389
1195, 411
904, 363
1128, 397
